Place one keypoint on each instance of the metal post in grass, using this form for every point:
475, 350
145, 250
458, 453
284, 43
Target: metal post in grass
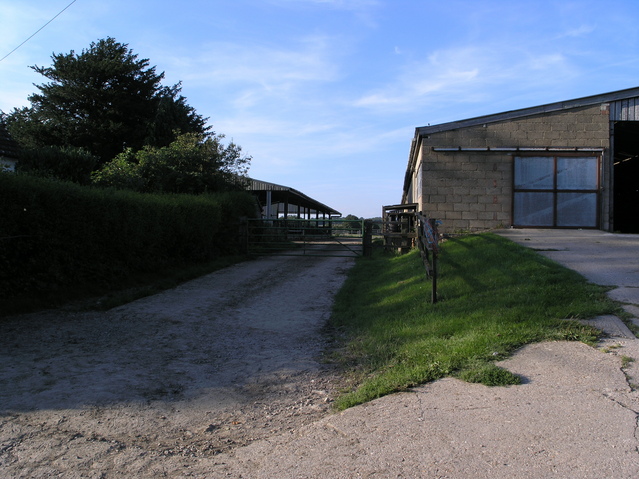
433, 296
427, 240
434, 238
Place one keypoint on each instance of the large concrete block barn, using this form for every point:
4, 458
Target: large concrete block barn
571, 164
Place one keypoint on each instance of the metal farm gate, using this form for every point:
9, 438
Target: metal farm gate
307, 237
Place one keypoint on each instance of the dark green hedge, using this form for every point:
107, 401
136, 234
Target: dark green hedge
55, 234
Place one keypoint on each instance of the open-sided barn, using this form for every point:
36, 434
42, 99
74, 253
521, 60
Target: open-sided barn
571, 164
278, 201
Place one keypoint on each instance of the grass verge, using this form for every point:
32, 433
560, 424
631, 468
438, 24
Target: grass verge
494, 297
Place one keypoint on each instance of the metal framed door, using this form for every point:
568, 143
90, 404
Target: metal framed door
559, 191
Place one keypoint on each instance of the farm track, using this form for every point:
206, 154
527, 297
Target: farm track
161, 386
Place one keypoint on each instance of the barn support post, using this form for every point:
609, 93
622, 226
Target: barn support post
269, 196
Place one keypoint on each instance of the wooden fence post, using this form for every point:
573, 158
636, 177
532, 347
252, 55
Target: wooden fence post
243, 235
367, 240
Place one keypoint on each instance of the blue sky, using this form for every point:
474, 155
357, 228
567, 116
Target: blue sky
325, 95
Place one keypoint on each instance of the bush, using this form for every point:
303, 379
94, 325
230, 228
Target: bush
191, 164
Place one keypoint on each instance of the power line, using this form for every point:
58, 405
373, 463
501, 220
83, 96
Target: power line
59, 13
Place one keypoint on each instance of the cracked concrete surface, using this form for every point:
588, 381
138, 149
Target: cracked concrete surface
574, 416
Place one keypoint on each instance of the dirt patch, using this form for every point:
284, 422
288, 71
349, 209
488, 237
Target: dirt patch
161, 386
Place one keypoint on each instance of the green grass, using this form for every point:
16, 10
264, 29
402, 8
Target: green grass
494, 297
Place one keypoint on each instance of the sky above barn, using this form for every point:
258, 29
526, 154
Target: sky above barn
325, 95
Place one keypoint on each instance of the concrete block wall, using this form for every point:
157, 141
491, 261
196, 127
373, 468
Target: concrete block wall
467, 191
472, 191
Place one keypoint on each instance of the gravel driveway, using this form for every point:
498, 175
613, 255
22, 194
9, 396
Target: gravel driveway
159, 387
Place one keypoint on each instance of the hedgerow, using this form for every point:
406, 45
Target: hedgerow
56, 234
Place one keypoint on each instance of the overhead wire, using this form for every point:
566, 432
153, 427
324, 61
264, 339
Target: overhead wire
38, 31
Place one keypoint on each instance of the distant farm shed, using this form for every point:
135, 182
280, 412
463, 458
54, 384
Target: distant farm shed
8, 150
571, 164
277, 201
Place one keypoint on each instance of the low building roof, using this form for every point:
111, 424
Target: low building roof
287, 195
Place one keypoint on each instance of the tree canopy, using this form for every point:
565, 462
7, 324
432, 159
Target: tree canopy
105, 118
103, 100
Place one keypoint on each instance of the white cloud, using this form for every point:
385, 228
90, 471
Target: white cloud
268, 126
270, 69
467, 74
441, 72
581, 31
551, 61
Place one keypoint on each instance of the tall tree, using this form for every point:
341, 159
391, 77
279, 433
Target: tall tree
103, 100
173, 114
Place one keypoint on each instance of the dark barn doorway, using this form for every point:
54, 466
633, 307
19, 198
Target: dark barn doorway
626, 177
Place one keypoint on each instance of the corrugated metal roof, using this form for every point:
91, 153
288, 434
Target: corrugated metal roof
626, 109
622, 101
259, 185
286, 194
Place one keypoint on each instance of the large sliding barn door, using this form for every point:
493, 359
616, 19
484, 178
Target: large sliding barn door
556, 191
